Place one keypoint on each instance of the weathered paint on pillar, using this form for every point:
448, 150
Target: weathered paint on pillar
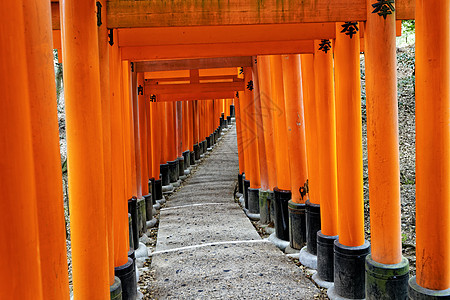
295, 125
325, 107
311, 119
279, 124
433, 144
85, 150
19, 259
348, 138
382, 137
265, 96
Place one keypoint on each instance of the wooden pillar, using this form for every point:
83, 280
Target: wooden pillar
85, 150
157, 132
195, 121
191, 125
311, 120
265, 92
295, 123
19, 259
382, 137
258, 118
119, 195
143, 135
433, 144
170, 138
348, 139
179, 127
185, 141
325, 106
46, 156
279, 124
136, 133
251, 134
240, 138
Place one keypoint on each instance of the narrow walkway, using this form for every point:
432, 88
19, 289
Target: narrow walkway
208, 249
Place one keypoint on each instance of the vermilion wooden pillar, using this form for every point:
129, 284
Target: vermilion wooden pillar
239, 136
143, 135
136, 134
295, 123
191, 125
46, 156
119, 195
156, 122
85, 150
106, 133
433, 149
20, 260
185, 126
279, 124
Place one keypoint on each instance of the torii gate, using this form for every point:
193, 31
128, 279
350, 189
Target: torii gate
95, 84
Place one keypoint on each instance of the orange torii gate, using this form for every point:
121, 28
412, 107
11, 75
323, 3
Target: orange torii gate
97, 120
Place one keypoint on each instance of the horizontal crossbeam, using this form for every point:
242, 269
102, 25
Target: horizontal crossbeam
189, 64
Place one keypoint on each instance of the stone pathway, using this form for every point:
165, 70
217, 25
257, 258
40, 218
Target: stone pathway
208, 249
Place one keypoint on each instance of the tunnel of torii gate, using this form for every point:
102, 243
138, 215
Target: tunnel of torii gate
149, 87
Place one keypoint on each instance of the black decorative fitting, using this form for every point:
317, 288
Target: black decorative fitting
111, 37
383, 8
237, 94
350, 28
141, 90
304, 189
256, 61
241, 70
250, 85
152, 98
132, 66
325, 45
99, 14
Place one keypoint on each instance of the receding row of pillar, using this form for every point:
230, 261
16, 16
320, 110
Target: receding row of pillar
300, 158
119, 148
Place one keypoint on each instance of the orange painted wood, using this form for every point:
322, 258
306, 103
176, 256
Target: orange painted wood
382, 139
191, 125
432, 144
311, 119
258, 118
325, 108
348, 140
235, 12
169, 138
103, 47
179, 128
195, 114
279, 124
136, 134
157, 132
143, 135
251, 143
142, 53
119, 196
85, 150
46, 156
20, 259
295, 125
265, 97
190, 64
193, 88
185, 126
239, 134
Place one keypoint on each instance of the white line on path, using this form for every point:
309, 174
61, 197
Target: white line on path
208, 244
191, 205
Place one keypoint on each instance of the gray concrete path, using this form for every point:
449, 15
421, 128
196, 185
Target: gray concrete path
208, 249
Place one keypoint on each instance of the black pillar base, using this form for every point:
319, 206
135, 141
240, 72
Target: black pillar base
115, 290
386, 281
192, 158
240, 184
253, 201
151, 188
187, 159
246, 187
164, 168
158, 190
197, 151
148, 208
180, 166
297, 224
127, 276
349, 270
173, 171
325, 256
229, 120
132, 209
232, 111
208, 142
130, 229
212, 139
312, 226
142, 216
281, 215
204, 144
417, 292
